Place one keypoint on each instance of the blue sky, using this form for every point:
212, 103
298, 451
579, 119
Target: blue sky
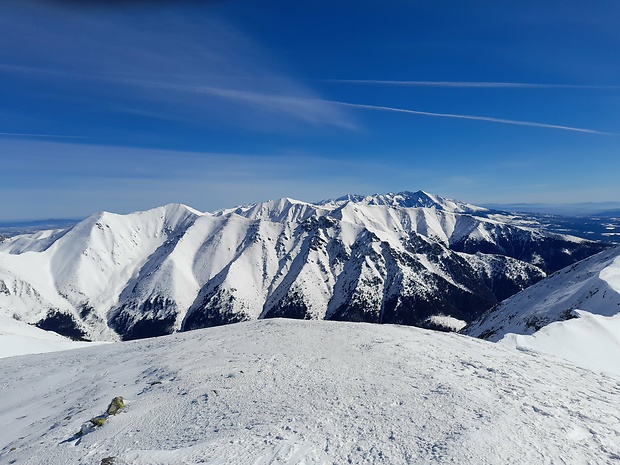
127, 105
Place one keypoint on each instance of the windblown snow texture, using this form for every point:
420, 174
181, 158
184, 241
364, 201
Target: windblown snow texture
408, 258
306, 392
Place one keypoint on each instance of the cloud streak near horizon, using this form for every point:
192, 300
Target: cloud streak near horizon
55, 136
51, 173
472, 84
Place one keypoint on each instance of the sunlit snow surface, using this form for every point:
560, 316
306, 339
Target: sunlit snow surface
591, 341
307, 392
17, 338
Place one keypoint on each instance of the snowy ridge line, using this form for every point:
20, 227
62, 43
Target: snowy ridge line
592, 285
574, 314
394, 258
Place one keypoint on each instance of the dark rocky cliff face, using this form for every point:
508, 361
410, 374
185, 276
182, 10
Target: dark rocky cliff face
152, 318
63, 324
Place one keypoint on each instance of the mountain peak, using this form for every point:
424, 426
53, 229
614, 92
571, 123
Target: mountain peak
407, 199
176, 207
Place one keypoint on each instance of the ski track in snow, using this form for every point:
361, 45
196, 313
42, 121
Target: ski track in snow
307, 392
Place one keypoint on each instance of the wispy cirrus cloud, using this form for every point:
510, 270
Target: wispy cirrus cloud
472, 84
122, 57
299, 105
309, 109
204, 72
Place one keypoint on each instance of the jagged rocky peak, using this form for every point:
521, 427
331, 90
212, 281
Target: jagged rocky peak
407, 199
278, 210
288, 209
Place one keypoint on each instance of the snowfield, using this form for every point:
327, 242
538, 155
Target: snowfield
17, 338
307, 392
591, 341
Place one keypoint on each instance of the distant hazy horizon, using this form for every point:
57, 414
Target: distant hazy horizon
566, 209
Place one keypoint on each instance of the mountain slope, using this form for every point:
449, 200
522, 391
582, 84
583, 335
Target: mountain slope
283, 391
408, 258
592, 285
68, 281
17, 338
573, 314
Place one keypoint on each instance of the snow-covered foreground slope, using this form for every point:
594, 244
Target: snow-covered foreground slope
303, 392
591, 341
408, 258
17, 338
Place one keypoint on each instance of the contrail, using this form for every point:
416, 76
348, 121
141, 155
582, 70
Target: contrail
470, 84
23, 134
282, 101
470, 117
244, 95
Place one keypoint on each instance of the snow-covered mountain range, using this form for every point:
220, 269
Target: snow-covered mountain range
311, 392
408, 258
